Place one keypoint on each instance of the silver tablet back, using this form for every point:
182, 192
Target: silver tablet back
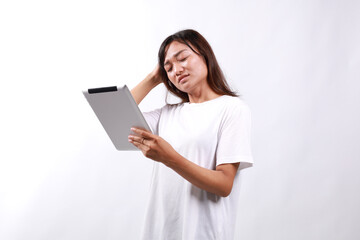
118, 112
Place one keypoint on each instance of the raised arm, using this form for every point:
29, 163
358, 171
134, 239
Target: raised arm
145, 86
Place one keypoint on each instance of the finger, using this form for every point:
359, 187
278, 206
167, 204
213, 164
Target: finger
140, 146
143, 133
136, 138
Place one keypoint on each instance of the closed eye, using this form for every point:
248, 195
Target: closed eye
180, 60
183, 59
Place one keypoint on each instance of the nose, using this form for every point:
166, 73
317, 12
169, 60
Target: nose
178, 69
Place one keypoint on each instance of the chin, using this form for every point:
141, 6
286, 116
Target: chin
182, 90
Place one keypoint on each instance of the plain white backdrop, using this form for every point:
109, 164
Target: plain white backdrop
296, 63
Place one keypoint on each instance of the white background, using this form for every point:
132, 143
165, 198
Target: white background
296, 63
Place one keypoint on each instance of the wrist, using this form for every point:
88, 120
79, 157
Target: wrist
173, 160
154, 77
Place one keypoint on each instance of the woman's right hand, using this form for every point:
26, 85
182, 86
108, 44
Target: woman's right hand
145, 86
154, 76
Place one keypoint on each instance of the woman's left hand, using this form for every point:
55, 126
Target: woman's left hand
152, 146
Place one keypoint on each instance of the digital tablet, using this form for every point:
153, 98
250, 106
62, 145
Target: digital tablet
117, 111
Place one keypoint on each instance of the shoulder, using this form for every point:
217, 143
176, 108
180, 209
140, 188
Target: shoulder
236, 114
235, 104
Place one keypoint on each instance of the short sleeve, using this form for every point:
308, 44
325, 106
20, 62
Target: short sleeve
234, 139
152, 118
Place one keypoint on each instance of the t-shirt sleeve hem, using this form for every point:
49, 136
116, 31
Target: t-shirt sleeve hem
245, 161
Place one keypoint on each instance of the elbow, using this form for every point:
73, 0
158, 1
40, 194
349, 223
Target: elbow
225, 179
225, 188
225, 192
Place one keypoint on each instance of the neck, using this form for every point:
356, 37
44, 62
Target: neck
202, 95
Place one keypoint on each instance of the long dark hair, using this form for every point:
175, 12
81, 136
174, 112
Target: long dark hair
193, 39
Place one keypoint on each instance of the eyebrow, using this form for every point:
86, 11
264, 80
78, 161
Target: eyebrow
175, 55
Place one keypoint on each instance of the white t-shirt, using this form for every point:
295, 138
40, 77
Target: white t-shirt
209, 133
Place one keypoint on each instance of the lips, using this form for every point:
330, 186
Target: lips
182, 77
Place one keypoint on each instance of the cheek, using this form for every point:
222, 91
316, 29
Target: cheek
171, 77
199, 67
203, 68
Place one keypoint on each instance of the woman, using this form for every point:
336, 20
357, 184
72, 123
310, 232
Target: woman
198, 145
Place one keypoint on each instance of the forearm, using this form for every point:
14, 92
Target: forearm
213, 181
219, 181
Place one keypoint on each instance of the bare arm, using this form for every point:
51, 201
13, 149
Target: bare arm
218, 181
145, 86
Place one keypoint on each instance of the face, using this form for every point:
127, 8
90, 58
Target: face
185, 69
